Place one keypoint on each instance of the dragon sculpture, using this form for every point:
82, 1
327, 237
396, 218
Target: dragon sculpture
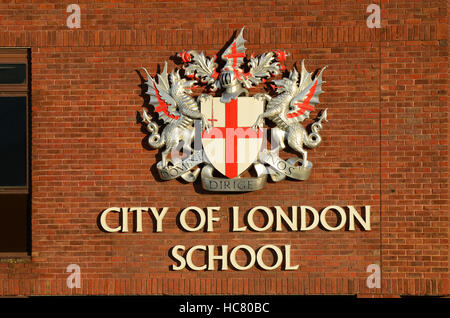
291, 107
176, 108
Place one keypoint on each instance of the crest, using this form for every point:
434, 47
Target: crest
220, 134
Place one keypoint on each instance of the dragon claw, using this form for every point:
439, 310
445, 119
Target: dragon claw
203, 97
257, 125
262, 97
206, 125
259, 96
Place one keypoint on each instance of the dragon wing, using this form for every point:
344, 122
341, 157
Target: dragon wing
160, 97
309, 90
234, 54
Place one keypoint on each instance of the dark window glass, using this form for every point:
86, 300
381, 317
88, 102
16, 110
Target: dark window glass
13, 73
13, 213
13, 141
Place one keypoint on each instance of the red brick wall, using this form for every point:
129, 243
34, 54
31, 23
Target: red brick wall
385, 145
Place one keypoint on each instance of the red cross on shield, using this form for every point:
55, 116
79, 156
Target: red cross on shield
231, 145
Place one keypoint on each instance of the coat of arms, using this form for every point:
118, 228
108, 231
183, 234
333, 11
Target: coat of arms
220, 135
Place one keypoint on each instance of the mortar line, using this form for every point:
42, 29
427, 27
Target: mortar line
380, 157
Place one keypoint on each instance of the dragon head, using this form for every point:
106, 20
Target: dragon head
180, 85
288, 84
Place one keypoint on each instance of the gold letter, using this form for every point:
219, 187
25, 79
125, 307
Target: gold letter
252, 224
124, 219
288, 266
292, 224
159, 217
364, 223
278, 259
200, 213
138, 217
222, 257
103, 220
179, 258
190, 264
315, 221
209, 211
323, 219
250, 251
235, 221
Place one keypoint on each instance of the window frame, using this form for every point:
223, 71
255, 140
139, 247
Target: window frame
19, 56
15, 56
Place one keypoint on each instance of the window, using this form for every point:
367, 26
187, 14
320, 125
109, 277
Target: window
14, 151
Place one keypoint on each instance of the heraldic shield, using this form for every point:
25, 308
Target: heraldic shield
231, 145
